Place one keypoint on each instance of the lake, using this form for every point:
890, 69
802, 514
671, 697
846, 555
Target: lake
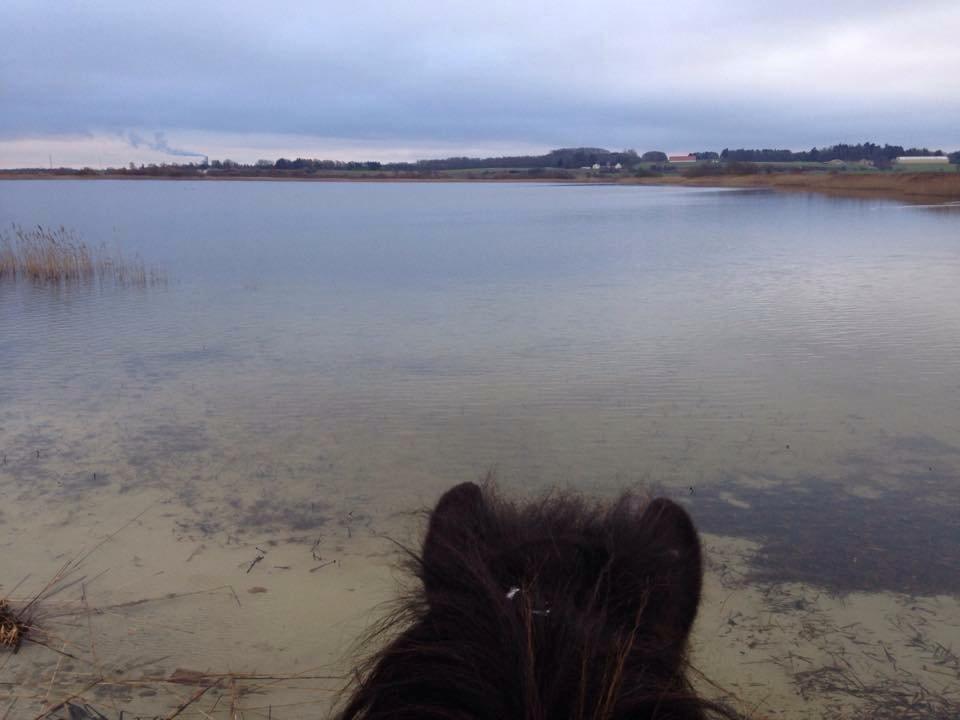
326, 358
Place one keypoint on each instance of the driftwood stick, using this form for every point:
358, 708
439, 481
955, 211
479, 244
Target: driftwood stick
191, 700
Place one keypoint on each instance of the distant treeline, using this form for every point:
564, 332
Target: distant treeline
564, 158
556, 163
582, 157
574, 158
879, 155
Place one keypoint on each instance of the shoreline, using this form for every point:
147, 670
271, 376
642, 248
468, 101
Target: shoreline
914, 188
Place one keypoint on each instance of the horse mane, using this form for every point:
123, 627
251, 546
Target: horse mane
555, 608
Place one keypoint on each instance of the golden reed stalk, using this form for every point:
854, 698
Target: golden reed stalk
59, 255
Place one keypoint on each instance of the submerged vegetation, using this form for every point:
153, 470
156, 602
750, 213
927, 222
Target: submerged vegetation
59, 255
800, 527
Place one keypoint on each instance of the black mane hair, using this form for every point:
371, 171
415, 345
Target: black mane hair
553, 609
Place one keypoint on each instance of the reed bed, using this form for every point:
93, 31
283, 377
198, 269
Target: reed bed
60, 255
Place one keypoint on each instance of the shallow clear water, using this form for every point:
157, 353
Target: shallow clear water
327, 355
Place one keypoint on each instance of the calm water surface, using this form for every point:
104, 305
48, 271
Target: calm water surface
327, 355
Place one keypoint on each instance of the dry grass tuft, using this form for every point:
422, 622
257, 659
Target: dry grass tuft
12, 629
59, 255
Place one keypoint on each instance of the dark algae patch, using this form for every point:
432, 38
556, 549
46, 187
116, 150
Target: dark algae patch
815, 531
283, 513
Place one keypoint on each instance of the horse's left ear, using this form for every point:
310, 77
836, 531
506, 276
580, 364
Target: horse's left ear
454, 529
676, 565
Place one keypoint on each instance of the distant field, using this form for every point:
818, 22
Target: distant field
910, 186
795, 165
927, 168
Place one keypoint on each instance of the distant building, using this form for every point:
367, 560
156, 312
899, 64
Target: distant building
596, 166
682, 159
618, 166
922, 160
837, 163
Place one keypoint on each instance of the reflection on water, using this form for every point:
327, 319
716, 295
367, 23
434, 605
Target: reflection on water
329, 357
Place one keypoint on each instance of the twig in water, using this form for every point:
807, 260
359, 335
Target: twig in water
191, 700
258, 558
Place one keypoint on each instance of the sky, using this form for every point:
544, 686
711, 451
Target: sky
107, 82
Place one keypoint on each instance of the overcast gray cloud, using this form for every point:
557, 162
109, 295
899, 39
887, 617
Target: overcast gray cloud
390, 79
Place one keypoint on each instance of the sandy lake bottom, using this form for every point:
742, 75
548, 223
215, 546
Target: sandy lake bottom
262, 556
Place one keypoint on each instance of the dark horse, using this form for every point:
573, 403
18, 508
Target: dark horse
553, 609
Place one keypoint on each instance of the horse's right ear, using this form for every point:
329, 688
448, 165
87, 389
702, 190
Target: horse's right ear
454, 527
675, 562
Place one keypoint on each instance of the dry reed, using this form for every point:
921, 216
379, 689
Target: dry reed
59, 255
12, 628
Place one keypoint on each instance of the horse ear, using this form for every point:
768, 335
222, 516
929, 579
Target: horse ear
676, 566
455, 523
